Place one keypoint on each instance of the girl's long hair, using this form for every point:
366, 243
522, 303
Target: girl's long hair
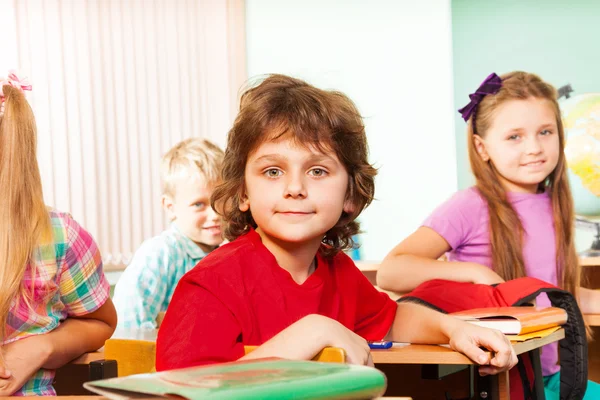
506, 231
25, 221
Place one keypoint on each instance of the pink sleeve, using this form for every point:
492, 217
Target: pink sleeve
83, 285
454, 219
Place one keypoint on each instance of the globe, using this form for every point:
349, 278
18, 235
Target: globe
581, 120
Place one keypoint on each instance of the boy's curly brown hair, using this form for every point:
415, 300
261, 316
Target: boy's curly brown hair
281, 106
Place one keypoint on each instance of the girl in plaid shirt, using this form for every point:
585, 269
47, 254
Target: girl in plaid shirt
54, 297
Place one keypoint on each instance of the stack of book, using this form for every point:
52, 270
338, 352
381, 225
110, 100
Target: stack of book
517, 323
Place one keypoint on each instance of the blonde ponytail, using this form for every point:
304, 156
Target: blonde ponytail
24, 219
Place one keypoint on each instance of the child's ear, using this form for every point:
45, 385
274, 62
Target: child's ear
349, 207
480, 147
244, 203
168, 205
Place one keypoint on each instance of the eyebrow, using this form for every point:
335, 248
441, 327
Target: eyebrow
278, 158
549, 125
269, 158
543, 126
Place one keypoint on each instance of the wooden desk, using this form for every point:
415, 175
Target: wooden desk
136, 334
592, 319
406, 354
589, 261
432, 354
442, 355
367, 266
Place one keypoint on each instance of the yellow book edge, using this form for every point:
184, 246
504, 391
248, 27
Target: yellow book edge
533, 335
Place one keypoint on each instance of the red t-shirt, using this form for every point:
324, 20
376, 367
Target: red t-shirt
238, 295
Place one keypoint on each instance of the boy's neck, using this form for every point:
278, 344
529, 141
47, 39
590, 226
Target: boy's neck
299, 259
205, 247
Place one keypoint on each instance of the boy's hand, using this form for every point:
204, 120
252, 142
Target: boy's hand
468, 338
23, 358
356, 348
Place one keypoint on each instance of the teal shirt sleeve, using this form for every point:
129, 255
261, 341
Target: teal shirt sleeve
143, 287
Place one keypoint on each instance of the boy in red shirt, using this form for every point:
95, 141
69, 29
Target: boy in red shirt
295, 177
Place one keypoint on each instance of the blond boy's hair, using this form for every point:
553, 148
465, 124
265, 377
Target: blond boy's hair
189, 158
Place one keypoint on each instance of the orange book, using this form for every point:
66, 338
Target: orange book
515, 320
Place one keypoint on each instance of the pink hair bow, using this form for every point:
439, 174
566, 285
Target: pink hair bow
14, 80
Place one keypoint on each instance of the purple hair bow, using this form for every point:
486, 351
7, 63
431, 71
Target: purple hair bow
491, 85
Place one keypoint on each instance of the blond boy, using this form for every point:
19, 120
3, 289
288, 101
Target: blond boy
189, 172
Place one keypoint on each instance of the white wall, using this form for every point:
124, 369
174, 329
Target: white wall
394, 59
8, 55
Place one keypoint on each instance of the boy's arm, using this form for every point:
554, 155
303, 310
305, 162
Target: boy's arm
418, 324
308, 336
415, 260
141, 290
589, 300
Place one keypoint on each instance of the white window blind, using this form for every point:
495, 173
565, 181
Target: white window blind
115, 85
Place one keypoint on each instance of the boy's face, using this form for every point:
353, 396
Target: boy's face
191, 210
295, 194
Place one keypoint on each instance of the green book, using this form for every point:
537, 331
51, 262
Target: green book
254, 379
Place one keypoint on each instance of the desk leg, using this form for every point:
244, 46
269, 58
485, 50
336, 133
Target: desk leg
496, 387
539, 378
503, 386
103, 369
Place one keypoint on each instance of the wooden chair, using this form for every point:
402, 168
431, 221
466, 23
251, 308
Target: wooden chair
133, 356
159, 319
136, 356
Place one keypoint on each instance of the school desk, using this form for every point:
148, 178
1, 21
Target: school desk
439, 361
591, 272
446, 361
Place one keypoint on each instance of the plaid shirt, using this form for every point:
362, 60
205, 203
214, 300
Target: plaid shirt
69, 281
148, 283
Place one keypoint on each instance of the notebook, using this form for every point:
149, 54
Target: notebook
515, 320
253, 379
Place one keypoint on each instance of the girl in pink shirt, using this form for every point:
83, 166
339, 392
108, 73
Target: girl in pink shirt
518, 218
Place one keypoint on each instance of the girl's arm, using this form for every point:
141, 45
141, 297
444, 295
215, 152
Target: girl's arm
418, 324
589, 300
415, 260
79, 335
74, 337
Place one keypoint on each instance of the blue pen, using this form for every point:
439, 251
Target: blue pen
380, 345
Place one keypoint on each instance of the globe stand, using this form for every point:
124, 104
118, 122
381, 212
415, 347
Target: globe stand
594, 250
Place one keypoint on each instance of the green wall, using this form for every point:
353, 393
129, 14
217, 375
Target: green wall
558, 40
